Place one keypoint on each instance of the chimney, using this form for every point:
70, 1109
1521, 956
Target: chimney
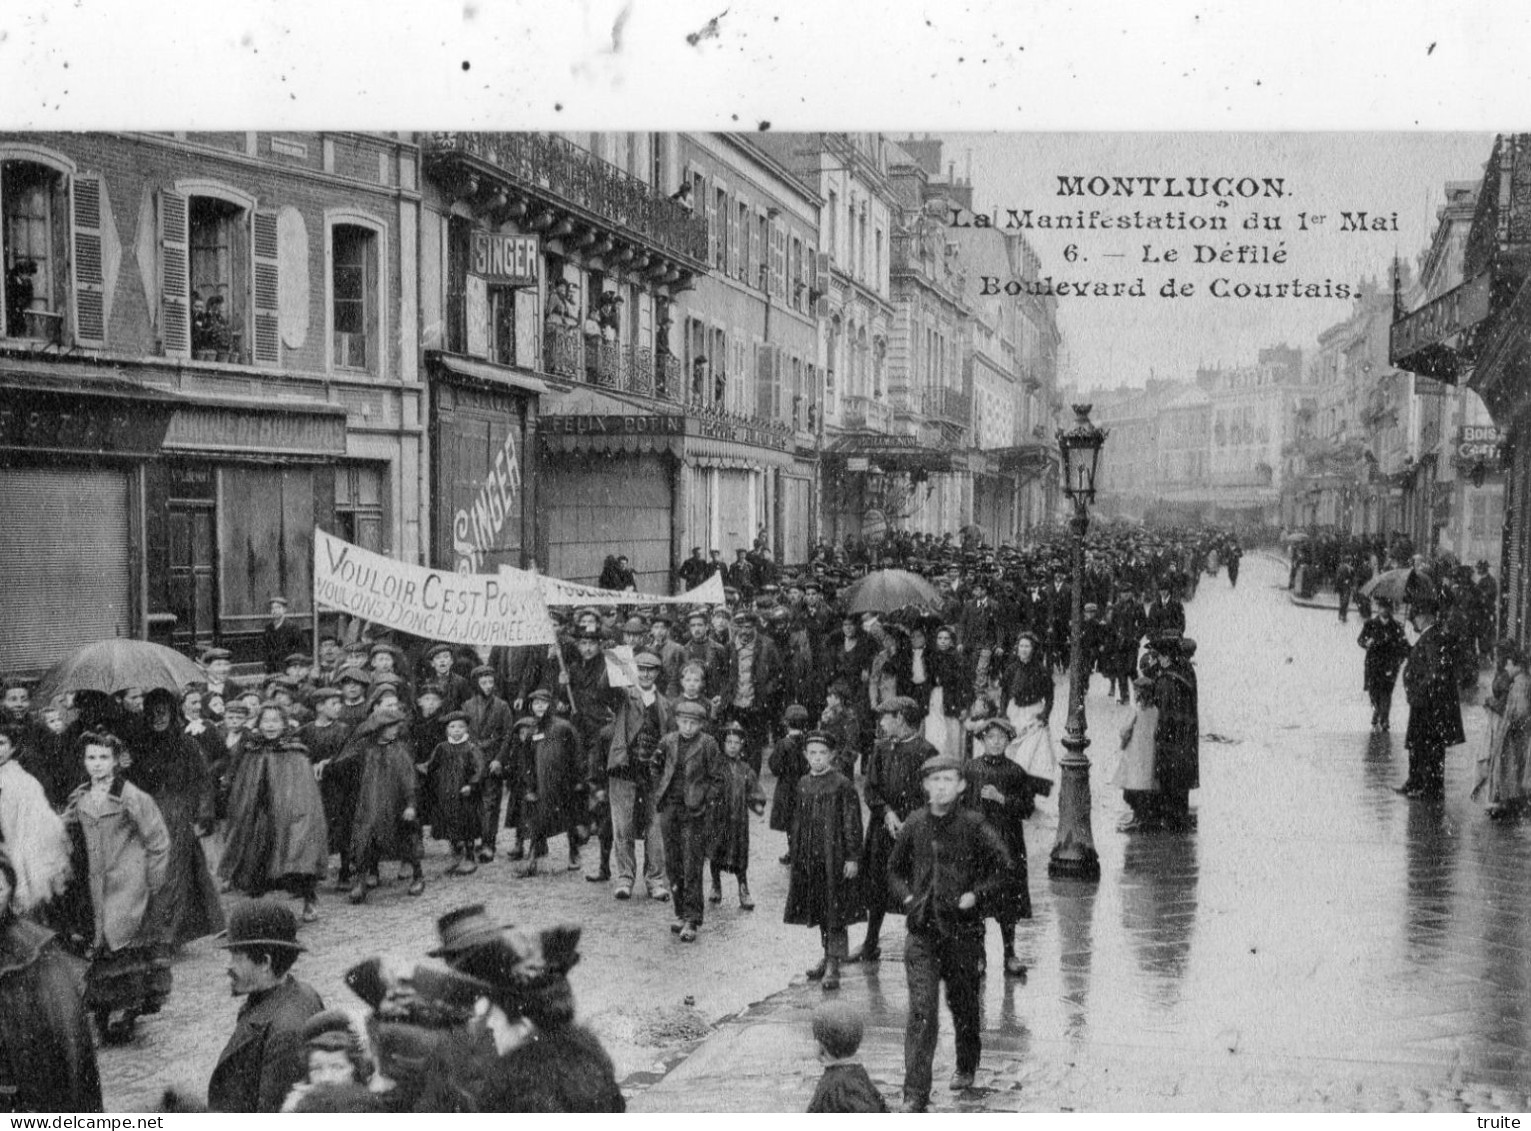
968, 173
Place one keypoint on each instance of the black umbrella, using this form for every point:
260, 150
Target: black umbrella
116, 665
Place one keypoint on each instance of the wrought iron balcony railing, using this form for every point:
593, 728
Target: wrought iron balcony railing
555, 169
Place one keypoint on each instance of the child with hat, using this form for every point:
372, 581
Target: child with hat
826, 846
452, 772
1003, 793
688, 780
945, 926
845, 1085
729, 838
551, 786
334, 1059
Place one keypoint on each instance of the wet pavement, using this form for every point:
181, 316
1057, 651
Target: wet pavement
1318, 943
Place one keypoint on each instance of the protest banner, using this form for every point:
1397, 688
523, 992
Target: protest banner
559, 593
483, 609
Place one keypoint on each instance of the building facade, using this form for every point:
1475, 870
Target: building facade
209, 349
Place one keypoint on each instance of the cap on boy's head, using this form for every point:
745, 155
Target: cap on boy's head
821, 738
797, 714
690, 710
938, 763
837, 1027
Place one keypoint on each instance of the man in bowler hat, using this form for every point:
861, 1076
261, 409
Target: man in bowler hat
265, 1056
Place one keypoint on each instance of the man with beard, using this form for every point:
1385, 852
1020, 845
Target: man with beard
264, 1058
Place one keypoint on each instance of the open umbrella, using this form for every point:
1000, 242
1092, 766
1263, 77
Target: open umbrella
1399, 585
885, 590
116, 665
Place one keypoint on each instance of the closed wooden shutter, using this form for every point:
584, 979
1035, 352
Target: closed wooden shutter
765, 367
89, 274
174, 275
63, 563
268, 337
756, 260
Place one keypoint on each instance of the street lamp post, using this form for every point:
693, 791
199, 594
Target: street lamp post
1074, 856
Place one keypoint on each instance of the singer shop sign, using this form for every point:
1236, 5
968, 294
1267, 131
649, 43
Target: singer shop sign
506, 261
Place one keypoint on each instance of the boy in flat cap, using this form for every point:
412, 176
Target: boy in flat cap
1003, 793
826, 846
942, 910
688, 782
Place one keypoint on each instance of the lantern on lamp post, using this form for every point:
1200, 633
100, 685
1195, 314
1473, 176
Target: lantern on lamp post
1074, 856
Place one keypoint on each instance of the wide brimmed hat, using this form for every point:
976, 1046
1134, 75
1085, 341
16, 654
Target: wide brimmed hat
382, 717
464, 929
261, 922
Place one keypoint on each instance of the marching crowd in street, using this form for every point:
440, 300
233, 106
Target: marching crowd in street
904, 740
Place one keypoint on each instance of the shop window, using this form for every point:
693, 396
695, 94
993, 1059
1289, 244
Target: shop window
354, 298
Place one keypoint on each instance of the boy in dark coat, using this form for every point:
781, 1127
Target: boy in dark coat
1002, 792
788, 764
826, 858
947, 863
893, 792
845, 1085
728, 841
688, 782
453, 772
489, 725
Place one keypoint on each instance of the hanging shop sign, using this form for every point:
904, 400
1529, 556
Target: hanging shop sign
506, 261
672, 424
1478, 441
1417, 337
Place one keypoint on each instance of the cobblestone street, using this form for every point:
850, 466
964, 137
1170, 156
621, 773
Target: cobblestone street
1317, 944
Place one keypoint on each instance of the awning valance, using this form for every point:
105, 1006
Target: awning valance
488, 374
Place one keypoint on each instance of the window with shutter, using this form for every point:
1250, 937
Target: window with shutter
35, 233
757, 252
174, 275
268, 337
821, 284
89, 272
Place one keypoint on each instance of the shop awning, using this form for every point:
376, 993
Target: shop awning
485, 373
306, 430
71, 411
891, 452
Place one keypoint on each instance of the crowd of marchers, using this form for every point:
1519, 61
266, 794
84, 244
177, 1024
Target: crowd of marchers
641, 766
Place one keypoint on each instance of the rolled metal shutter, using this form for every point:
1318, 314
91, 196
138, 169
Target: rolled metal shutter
64, 557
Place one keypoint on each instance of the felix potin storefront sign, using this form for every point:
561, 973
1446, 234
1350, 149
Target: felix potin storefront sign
506, 261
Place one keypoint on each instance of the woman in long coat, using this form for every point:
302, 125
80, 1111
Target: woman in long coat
169, 765
276, 832
1504, 774
386, 823
552, 776
1029, 706
1177, 737
125, 855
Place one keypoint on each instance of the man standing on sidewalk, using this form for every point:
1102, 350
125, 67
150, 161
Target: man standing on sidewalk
1435, 709
946, 862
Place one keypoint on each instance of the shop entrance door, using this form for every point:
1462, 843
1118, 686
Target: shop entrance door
193, 571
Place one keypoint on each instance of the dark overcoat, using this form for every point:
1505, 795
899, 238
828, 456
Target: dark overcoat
265, 1057
1435, 709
